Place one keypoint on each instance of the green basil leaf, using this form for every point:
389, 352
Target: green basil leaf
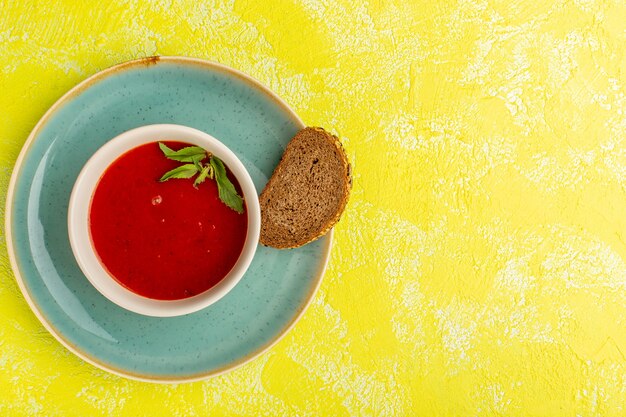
202, 176
196, 162
226, 189
188, 154
183, 171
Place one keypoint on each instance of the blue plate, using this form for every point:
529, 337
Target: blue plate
227, 104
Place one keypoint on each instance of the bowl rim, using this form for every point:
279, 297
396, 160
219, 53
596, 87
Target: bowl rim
80, 204
74, 91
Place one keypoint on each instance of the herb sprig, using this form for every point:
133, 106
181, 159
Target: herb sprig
213, 169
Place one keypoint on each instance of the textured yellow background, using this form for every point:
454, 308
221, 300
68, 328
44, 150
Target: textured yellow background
479, 270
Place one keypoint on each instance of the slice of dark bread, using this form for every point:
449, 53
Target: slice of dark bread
307, 192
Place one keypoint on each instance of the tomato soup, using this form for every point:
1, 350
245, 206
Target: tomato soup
163, 240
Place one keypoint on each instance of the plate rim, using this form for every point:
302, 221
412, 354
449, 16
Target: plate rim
72, 93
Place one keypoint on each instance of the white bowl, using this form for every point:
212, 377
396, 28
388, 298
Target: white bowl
78, 220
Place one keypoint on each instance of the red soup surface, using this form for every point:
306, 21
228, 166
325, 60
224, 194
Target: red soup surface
163, 240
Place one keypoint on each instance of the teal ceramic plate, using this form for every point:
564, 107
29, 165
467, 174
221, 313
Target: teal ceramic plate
225, 103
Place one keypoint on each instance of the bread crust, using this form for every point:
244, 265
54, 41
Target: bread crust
345, 195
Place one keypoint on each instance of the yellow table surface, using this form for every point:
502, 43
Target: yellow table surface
480, 267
